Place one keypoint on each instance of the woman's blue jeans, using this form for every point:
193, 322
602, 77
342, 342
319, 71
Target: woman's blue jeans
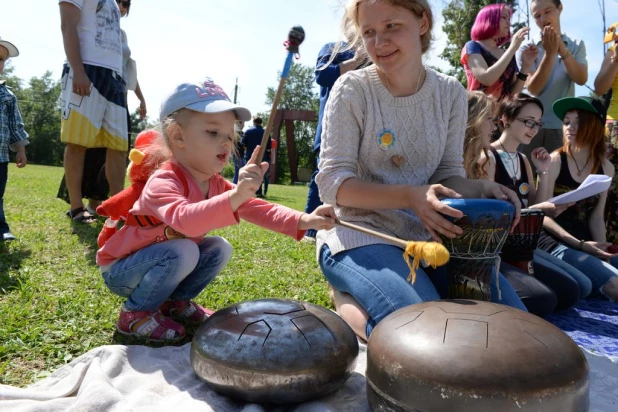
376, 276
176, 269
596, 270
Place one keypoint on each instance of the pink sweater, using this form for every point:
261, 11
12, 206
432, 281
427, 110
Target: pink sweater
192, 216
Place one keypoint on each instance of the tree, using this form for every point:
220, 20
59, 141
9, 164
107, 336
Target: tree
39, 104
41, 112
459, 16
298, 94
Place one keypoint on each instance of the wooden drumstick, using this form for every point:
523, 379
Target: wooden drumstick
434, 253
295, 38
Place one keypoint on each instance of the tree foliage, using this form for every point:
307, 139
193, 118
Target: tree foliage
39, 104
298, 94
459, 16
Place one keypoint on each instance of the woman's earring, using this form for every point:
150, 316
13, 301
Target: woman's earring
507, 125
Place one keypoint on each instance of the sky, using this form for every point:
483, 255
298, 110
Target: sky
178, 40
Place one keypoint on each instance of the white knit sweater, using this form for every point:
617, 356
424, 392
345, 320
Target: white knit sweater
428, 127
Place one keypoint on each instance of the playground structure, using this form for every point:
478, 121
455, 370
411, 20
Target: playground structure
288, 117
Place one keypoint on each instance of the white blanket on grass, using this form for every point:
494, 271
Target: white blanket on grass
139, 378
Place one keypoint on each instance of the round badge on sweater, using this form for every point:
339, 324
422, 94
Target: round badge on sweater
386, 139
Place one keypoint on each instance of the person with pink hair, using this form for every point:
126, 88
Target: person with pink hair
489, 67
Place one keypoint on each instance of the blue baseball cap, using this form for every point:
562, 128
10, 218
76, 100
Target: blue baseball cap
204, 97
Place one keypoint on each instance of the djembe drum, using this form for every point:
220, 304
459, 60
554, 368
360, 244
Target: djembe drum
518, 250
475, 253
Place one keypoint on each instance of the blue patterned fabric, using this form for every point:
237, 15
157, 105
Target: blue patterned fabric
11, 124
592, 324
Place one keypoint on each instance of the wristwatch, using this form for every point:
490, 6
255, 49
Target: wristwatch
522, 76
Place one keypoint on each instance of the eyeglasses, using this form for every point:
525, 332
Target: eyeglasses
531, 123
126, 4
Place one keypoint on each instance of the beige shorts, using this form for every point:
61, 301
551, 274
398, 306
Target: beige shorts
98, 120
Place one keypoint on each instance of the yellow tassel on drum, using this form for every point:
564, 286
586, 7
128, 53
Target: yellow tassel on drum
433, 253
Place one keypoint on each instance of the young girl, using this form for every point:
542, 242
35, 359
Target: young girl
489, 67
483, 160
578, 235
392, 144
160, 259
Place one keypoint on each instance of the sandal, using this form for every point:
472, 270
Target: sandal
150, 325
81, 215
185, 311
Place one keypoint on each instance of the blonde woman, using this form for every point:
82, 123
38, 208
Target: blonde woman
481, 125
392, 144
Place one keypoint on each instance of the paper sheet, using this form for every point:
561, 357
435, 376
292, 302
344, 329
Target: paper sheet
593, 185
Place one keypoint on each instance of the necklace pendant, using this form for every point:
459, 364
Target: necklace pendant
579, 173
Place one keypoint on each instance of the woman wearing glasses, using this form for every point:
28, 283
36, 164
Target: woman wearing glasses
578, 235
554, 284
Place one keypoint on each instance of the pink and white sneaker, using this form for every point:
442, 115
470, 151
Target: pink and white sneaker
150, 325
185, 311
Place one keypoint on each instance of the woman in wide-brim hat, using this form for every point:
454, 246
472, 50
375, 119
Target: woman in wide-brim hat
578, 235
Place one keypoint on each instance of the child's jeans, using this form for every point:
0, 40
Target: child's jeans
4, 174
176, 269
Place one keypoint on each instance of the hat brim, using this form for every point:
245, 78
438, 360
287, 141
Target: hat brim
220, 106
13, 52
562, 106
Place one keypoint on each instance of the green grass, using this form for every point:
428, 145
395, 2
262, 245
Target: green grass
54, 305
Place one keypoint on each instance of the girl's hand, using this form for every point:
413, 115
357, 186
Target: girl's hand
425, 203
249, 180
551, 209
519, 37
541, 159
493, 190
597, 249
322, 218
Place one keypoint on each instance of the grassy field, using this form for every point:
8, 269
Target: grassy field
54, 305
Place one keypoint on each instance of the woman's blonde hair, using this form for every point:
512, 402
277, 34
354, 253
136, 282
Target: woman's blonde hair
353, 36
480, 106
